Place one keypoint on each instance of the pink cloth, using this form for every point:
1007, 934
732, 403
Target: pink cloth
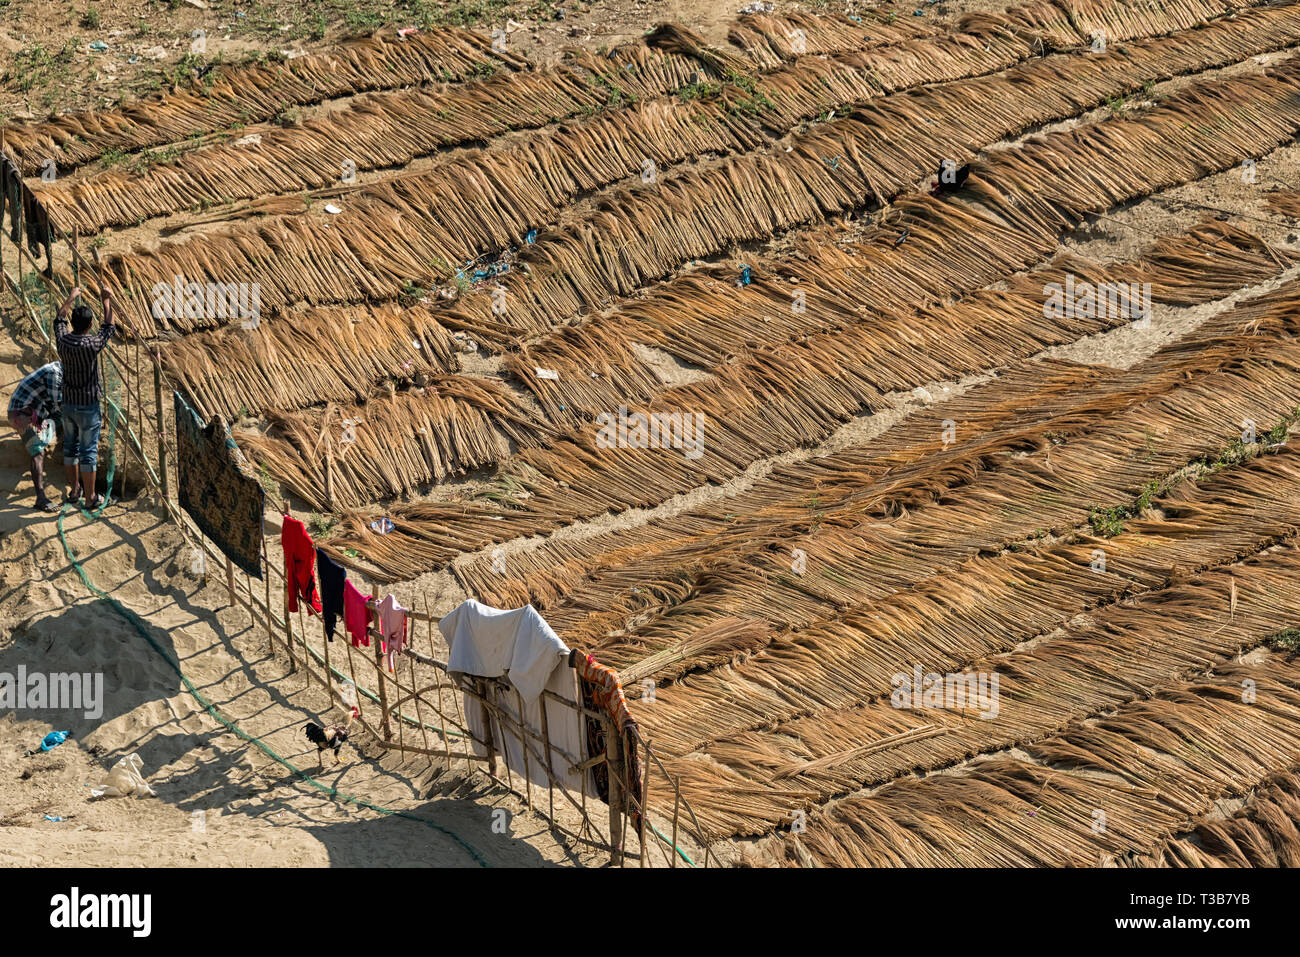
392, 626
356, 616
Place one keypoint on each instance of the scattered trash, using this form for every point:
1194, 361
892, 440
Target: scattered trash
125, 780
154, 53
348, 692
49, 742
133, 59
38, 440
531, 237
745, 276
546, 373
495, 269
197, 4
99, 46
757, 8
902, 238
918, 13
383, 525
252, 139
331, 208
56, 820
407, 31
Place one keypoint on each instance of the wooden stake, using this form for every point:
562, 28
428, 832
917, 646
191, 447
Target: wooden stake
266, 583
379, 663
523, 744
645, 795
481, 685
412, 625
677, 807
614, 762
162, 432
550, 769
288, 625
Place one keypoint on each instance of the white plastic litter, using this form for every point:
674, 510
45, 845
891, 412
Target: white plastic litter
545, 373
331, 208
125, 780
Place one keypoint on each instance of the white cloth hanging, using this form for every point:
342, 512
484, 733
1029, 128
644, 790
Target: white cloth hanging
518, 644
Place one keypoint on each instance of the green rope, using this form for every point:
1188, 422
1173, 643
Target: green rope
139, 626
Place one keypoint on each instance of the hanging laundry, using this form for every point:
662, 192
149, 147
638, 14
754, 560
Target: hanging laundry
299, 565
601, 690
392, 627
356, 616
491, 642
332, 576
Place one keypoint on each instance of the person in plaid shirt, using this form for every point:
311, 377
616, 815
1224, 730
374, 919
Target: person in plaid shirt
38, 400
79, 351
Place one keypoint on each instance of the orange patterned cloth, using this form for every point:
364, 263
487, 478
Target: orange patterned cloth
607, 690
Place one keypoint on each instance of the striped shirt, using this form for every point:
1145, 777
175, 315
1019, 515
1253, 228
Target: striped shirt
80, 355
41, 391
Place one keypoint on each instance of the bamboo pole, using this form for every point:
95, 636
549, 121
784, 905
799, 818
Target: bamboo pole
306, 658
288, 626
379, 663
413, 627
446, 741
677, 806
487, 721
266, 583
550, 770
162, 438
528, 775
613, 775
352, 670
645, 796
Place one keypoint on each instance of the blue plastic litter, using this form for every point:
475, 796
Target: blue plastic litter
531, 237
56, 820
383, 526
918, 13
495, 269
99, 46
54, 739
745, 276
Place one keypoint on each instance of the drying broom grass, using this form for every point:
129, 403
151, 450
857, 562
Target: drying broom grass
243, 95
300, 359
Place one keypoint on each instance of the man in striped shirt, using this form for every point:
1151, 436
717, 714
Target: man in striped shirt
36, 401
79, 350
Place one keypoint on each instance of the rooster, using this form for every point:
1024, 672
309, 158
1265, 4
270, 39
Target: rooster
326, 737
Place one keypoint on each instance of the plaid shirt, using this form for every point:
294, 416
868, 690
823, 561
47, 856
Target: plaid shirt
80, 355
41, 391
